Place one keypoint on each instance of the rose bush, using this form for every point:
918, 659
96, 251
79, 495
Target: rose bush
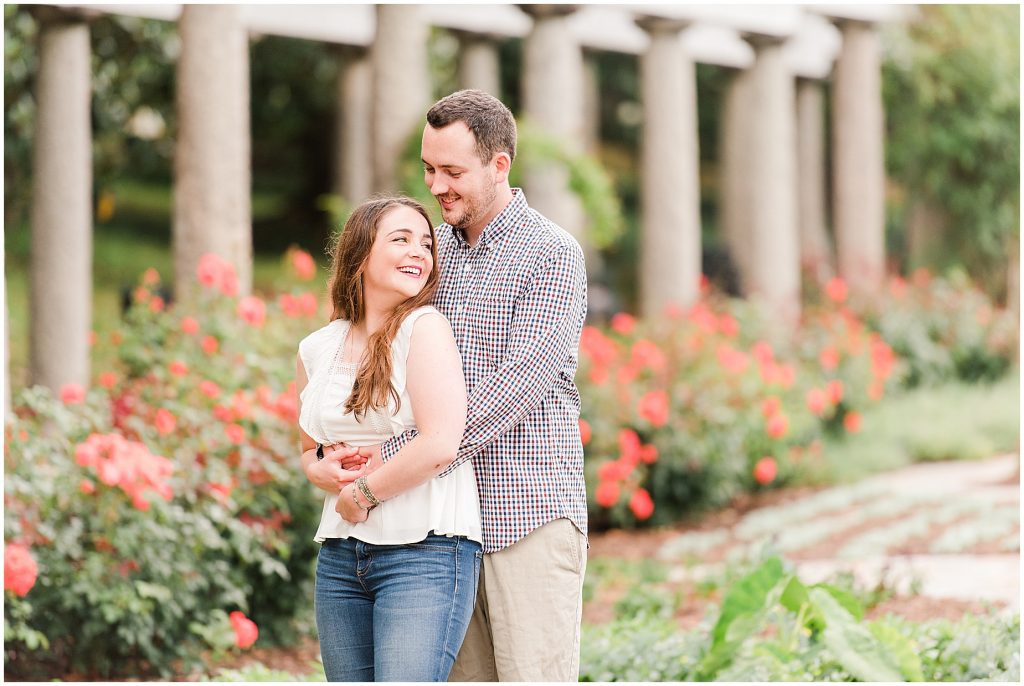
944, 329
161, 511
167, 494
688, 410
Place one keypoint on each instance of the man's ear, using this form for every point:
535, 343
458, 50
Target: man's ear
502, 165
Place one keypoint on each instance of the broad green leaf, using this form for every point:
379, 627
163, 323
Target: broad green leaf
901, 647
846, 599
795, 597
740, 615
747, 596
854, 646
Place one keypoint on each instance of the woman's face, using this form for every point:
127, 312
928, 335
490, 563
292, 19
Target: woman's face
400, 259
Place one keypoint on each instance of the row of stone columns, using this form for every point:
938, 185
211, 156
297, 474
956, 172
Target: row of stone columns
773, 181
772, 165
383, 93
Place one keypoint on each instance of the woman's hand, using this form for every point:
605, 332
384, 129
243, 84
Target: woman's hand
341, 465
347, 507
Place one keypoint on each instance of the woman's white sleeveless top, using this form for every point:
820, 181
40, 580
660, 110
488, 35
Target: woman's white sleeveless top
448, 506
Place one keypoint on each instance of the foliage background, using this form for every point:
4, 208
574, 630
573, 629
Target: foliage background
950, 83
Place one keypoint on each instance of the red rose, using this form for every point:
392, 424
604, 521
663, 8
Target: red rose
607, 493
765, 470
20, 569
641, 504
246, 631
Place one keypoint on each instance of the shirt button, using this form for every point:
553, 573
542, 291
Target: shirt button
468, 267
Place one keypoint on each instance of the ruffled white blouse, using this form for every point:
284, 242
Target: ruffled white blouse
448, 506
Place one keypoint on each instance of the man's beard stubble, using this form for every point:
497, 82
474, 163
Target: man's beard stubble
473, 211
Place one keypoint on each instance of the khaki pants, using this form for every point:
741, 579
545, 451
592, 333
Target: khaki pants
526, 624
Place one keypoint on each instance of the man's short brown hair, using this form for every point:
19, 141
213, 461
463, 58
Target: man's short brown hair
491, 122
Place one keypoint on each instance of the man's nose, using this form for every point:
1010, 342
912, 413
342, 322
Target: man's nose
438, 186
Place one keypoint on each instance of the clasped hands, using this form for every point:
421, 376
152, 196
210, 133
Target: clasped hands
341, 465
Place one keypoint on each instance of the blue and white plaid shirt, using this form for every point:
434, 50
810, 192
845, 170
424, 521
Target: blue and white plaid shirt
516, 302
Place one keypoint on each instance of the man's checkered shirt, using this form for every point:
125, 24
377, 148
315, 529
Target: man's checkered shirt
516, 302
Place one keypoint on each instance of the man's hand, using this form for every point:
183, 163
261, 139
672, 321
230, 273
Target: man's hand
340, 466
371, 455
347, 507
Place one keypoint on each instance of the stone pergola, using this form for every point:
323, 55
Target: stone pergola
772, 163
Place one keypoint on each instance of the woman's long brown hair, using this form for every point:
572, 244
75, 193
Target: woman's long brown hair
372, 386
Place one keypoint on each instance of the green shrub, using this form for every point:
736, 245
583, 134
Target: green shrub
166, 495
684, 413
772, 627
944, 329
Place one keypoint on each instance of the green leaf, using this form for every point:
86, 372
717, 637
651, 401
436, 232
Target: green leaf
854, 646
747, 596
155, 591
740, 615
902, 648
845, 598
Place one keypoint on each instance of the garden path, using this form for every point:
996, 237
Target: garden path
948, 530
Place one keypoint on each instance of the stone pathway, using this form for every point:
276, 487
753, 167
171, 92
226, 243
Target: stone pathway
946, 530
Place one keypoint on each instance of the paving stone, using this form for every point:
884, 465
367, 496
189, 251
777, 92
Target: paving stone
988, 577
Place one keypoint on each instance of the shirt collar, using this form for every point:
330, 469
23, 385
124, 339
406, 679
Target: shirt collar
505, 219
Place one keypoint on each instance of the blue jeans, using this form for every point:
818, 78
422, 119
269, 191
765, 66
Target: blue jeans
394, 612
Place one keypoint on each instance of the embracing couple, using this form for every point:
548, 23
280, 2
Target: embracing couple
438, 411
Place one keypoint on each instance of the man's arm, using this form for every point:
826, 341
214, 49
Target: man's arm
544, 333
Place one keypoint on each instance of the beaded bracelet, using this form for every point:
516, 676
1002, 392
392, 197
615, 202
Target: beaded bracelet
355, 499
364, 488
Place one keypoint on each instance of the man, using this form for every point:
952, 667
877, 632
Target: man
513, 285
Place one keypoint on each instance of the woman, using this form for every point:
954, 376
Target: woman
394, 591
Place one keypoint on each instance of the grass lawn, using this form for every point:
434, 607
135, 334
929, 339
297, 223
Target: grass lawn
136, 237
955, 421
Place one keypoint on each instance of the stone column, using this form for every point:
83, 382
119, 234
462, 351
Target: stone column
735, 189
479, 65
212, 166
60, 277
553, 105
354, 122
774, 232
401, 88
858, 162
670, 253
815, 251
